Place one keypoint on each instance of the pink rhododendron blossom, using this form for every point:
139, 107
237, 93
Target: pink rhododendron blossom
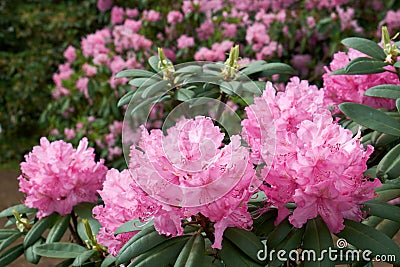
216, 53
89, 70
82, 85
104, 5
205, 30
318, 165
184, 41
151, 15
95, 44
69, 133
70, 54
174, 17
55, 176
351, 88
131, 13
117, 15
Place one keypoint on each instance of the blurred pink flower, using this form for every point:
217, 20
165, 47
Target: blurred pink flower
174, 17
70, 54
117, 15
184, 41
89, 70
69, 133
151, 15
55, 176
104, 5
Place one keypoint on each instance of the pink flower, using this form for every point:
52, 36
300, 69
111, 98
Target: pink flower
205, 30
230, 29
131, 13
55, 176
174, 17
117, 15
95, 44
151, 15
69, 133
104, 5
184, 41
89, 70
70, 54
82, 85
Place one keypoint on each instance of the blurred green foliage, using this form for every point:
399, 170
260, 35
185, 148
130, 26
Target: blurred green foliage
33, 37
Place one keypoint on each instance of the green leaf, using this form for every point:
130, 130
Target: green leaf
276, 68
365, 46
38, 229
130, 226
388, 227
192, 253
382, 209
6, 233
58, 230
59, 250
84, 211
389, 166
107, 262
364, 65
164, 254
5, 243
193, 69
385, 90
371, 118
153, 61
65, 263
290, 243
126, 98
142, 82
338, 72
316, 239
155, 88
82, 258
20, 208
134, 74
146, 230
398, 105
232, 256
367, 238
246, 241
184, 94
11, 255
266, 223
372, 221
279, 233
30, 255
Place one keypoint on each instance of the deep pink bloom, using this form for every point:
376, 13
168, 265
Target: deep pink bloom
174, 17
117, 15
104, 5
184, 41
55, 176
151, 15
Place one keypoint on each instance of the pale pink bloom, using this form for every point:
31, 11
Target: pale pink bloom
54, 132
208, 6
101, 59
104, 5
89, 70
55, 176
205, 30
114, 152
95, 44
79, 126
230, 29
82, 85
131, 13
346, 19
151, 15
117, 15
269, 50
91, 119
69, 133
311, 22
174, 17
189, 6
184, 41
70, 54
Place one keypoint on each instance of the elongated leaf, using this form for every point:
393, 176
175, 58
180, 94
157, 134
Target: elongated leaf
364, 65
266, 223
6, 233
82, 258
192, 253
153, 61
367, 238
155, 88
276, 68
65, 263
232, 256
38, 229
279, 233
365, 46
130, 226
388, 167
372, 221
290, 243
246, 241
398, 105
385, 90
184, 94
134, 74
11, 255
20, 208
58, 230
109, 261
142, 82
162, 255
5, 243
59, 250
30, 255
383, 210
388, 227
190, 69
146, 230
317, 238
371, 118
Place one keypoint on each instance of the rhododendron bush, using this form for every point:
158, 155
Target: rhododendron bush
222, 161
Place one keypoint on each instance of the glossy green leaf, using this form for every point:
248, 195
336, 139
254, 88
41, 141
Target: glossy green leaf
290, 243
384, 90
59, 250
153, 61
365, 46
266, 223
65, 263
184, 94
58, 230
316, 239
156, 88
372, 221
30, 255
279, 233
276, 68
364, 65
82, 258
162, 255
192, 253
398, 105
232, 256
389, 166
6, 242
367, 238
11, 255
388, 227
246, 241
371, 118
142, 82
20, 208
192, 69
146, 230
6, 233
130, 226
382, 209
38, 229
134, 74
109, 261
125, 99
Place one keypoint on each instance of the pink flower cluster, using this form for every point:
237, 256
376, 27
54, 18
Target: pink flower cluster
318, 165
189, 159
55, 176
351, 88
